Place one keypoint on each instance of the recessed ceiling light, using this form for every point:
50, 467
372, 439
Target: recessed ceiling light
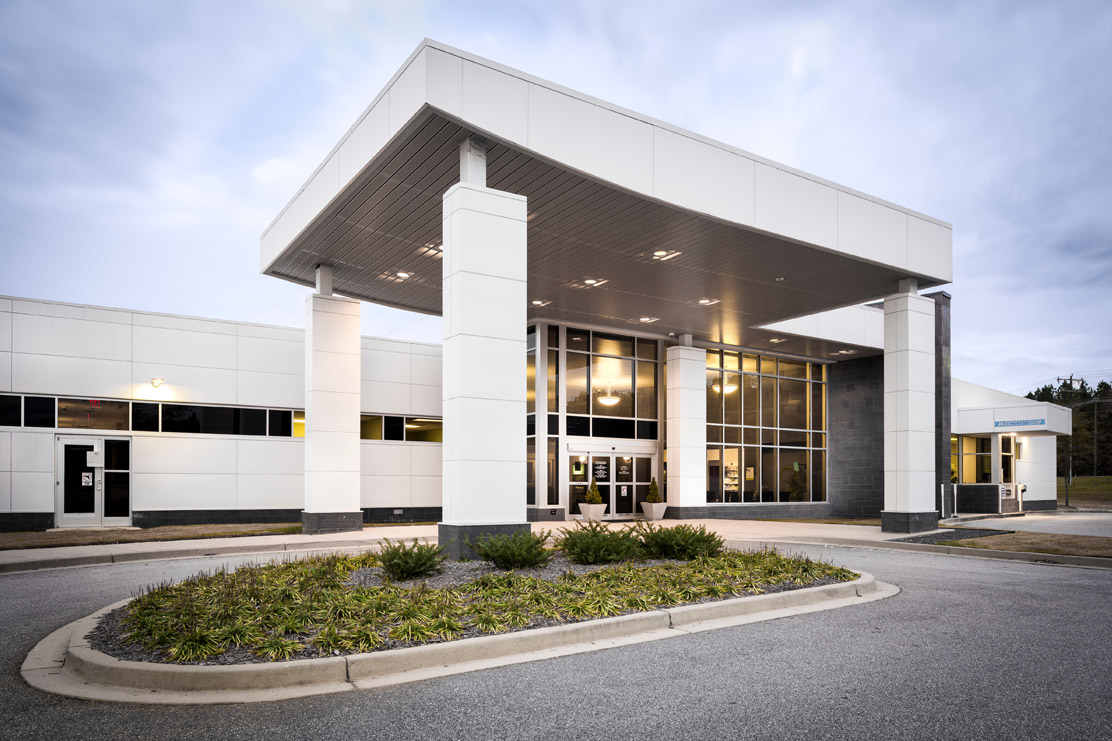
590, 281
660, 253
846, 352
649, 319
779, 278
663, 255
778, 340
402, 274
539, 302
708, 301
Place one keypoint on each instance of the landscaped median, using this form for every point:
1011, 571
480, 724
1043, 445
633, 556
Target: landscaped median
230, 636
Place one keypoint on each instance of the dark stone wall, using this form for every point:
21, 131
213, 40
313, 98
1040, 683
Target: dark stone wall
749, 511
941, 390
1040, 504
855, 444
976, 499
401, 514
163, 517
16, 522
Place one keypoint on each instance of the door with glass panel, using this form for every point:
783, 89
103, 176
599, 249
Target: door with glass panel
622, 478
93, 482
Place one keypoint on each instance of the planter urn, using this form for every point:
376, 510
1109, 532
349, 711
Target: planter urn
654, 510
592, 511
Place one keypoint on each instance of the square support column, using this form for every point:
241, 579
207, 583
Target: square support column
687, 429
909, 413
332, 395
485, 296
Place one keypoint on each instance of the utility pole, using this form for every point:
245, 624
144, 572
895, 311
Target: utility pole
1069, 467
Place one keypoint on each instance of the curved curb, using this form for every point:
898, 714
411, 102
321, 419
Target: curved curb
64, 663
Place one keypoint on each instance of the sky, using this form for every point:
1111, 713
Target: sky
135, 132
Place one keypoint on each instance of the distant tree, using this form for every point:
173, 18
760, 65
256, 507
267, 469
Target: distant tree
1092, 456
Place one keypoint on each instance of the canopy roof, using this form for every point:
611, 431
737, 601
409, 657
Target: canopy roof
696, 236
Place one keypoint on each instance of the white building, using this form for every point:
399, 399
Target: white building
622, 300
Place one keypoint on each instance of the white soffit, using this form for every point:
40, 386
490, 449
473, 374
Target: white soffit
606, 188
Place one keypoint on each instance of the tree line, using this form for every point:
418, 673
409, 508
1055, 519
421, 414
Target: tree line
1092, 426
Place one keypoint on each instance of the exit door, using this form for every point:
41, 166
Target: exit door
93, 482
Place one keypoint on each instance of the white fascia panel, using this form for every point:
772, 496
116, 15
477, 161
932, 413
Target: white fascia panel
185, 323
796, 207
181, 347
872, 231
701, 177
45, 374
320, 190
71, 337
366, 140
71, 311
496, 102
853, 325
408, 92
444, 81
591, 139
930, 249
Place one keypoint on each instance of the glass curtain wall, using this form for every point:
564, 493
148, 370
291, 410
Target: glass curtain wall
766, 429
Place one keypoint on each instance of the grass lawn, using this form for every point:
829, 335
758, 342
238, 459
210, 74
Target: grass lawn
310, 607
1087, 491
1062, 545
871, 521
10, 541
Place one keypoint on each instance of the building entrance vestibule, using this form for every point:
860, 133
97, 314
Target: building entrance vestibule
92, 482
622, 478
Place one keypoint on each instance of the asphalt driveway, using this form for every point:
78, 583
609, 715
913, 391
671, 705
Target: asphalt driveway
972, 648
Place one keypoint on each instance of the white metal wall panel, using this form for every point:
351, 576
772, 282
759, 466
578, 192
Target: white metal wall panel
32, 491
701, 177
184, 347
264, 491
172, 454
187, 383
496, 102
154, 491
271, 355
872, 230
271, 456
796, 207
5, 371
5, 491
78, 338
45, 374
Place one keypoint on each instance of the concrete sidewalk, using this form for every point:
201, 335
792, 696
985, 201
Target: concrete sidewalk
737, 533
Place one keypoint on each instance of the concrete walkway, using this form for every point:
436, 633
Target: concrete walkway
740, 533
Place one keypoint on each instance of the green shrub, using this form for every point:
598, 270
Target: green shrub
401, 562
682, 542
521, 550
593, 495
593, 542
653, 497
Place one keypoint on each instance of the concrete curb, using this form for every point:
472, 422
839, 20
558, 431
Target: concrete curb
355, 546
64, 663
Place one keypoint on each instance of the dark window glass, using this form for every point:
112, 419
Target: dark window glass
646, 430
579, 426
793, 368
424, 430
281, 423
252, 421
78, 495
531, 472
530, 338
604, 427
219, 421
92, 414
144, 417
10, 411
793, 438
530, 424
370, 427
714, 434
554, 424
181, 418
393, 428
646, 349
984, 445
579, 339
38, 411
553, 336
553, 495
732, 435
117, 494
818, 476
117, 455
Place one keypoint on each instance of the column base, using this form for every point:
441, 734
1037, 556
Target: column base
320, 523
455, 539
546, 514
908, 522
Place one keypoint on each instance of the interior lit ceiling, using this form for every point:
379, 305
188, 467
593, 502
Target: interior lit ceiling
719, 281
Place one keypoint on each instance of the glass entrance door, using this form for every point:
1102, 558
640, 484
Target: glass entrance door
93, 482
622, 479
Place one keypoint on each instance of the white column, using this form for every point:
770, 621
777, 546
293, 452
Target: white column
332, 395
484, 307
687, 426
909, 424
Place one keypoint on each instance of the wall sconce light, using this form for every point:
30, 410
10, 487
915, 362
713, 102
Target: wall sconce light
156, 382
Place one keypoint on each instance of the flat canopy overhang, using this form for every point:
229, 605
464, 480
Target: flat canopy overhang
745, 242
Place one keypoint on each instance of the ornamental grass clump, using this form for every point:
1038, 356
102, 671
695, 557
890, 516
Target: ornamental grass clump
401, 562
595, 543
682, 542
520, 550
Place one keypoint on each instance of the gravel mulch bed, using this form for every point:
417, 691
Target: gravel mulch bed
959, 534
109, 636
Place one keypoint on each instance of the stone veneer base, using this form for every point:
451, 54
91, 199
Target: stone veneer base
455, 538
